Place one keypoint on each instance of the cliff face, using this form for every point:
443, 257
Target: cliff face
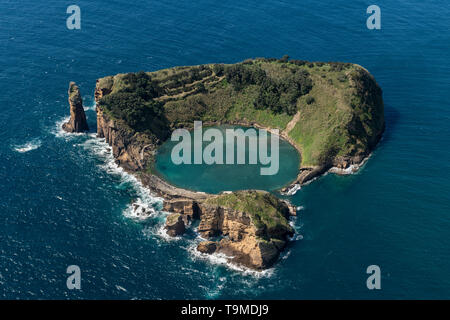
245, 237
130, 149
242, 241
77, 122
127, 148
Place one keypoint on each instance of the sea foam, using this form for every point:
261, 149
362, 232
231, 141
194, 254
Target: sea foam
221, 259
293, 190
145, 205
26, 147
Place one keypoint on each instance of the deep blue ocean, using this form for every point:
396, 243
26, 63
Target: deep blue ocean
63, 202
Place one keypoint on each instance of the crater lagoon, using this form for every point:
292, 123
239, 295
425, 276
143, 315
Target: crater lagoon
214, 178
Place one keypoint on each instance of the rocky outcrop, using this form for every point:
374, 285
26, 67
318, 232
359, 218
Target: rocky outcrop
103, 87
175, 225
252, 236
187, 208
207, 247
248, 238
77, 122
130, 149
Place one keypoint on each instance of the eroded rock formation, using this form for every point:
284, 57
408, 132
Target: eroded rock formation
77, 122
253, 239
207, 247
175, 225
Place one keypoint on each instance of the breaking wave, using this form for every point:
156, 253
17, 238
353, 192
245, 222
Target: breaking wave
224, 260
60, 133
31, 145
293, 190
145, 205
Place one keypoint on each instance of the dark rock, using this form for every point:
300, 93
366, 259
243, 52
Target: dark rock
77, 122
207, 247
175, 225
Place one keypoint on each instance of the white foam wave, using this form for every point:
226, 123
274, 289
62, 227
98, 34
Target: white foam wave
139, 210
120, 288
293, 190
60, 133
349, 170
31, 145
146, 205
161, 233
224, 260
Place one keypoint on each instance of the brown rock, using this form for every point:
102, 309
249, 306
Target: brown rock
175, 225
207, 247
77, 122
211, 221
246, 242
188, 208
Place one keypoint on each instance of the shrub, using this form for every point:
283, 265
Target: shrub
268, 97
138, 114
239, 76
298, 62
282, 96
338, 66
284, 59
142, 84
219, 69
342, 78
310, 100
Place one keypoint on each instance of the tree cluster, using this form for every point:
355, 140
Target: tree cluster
281, 96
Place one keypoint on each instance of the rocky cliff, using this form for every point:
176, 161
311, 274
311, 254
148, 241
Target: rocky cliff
77, 122
250, 227
130, 149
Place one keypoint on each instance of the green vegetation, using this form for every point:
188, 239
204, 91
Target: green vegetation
342, 116
337, 107
265, 210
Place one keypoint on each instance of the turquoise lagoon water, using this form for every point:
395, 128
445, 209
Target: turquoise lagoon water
214, 178
63, 202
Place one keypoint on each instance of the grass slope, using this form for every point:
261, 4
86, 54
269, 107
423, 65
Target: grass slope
338, 105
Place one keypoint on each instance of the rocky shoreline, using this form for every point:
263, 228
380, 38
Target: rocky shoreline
251, 227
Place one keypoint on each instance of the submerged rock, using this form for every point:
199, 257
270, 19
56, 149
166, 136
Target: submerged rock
175, 225
141, 210
77, 122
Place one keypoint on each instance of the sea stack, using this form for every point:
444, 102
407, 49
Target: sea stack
77, 122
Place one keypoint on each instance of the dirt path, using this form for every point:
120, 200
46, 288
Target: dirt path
292, 123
